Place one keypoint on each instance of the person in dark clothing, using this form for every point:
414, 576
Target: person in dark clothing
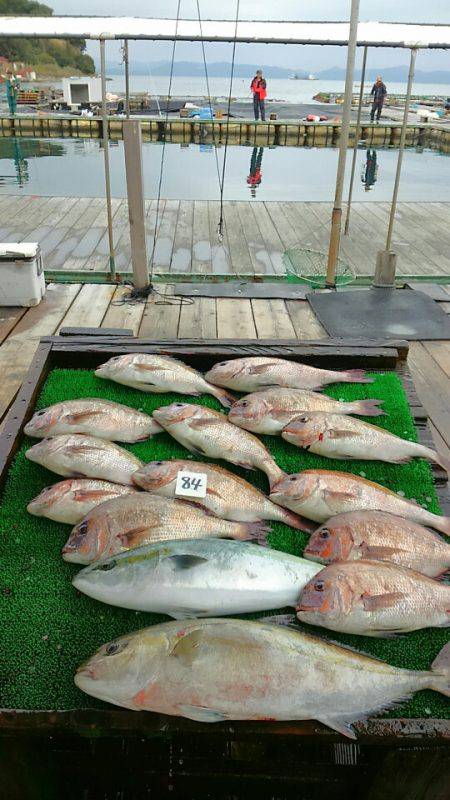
258, 86
255, 177
379, 92
370, 170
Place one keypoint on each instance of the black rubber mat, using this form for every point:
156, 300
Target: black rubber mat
380, 314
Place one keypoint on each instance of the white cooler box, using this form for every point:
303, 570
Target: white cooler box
22, 280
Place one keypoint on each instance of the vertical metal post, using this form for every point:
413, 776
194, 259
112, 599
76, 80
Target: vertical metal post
112, 263
132, 140
355, 146
127, 78
401, 148
335, 234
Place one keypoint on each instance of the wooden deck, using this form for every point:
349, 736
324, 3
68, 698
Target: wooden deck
73, 237
162, 317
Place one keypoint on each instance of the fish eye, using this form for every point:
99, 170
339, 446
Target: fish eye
244, 403
108, 566
178, 405
319, 586
112, 648
40, 413
304, 418
324, 533
157, 463
292, 478
221, 364
82, 528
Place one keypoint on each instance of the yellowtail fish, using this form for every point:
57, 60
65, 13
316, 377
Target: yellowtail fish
94, 417
260, 372
372, 598
157, 374
227, 495
198, 578
377, 536
319, 494
216, 670
69, 501
79, 456
271, 410
208, 433
339, 436
136, 520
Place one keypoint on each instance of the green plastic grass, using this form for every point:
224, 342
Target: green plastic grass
48, 628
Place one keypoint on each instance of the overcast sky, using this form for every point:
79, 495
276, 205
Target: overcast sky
307, 57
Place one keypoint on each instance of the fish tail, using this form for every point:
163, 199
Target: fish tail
368, 408
225, 398
273, 472
440, 459
440, 671
255, 531
295, 521
441, 524
355, 376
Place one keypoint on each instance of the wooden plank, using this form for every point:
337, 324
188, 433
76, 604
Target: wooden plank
121, 314
241, 262
99, 259
272, 319
220, 251
305, 322
89, 307
441, 445
165, 236
9, 317
440, 351
161, 315
235, 319
182, 245
80, 257
270, 237
286, 232
17, 351
433, 387
259, 256
198, 320
202, 241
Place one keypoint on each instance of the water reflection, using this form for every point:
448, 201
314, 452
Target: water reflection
369, 171
18, 151
255, 177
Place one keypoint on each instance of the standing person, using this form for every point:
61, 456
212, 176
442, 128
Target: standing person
258, 86
370, 170
379, 92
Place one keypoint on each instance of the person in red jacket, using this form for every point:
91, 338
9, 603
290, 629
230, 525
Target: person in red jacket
258, 87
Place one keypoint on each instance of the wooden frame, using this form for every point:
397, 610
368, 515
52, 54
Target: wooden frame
89, 351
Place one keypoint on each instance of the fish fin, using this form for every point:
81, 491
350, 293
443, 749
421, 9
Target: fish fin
440, 669
339, 724
368, 408
186, 646
83, 448
376, 601
225, 398
197, 451
84, 495
259, 369
198, 424
131, 538
254, 530
337, 434
378, 552
296, 521
331, 494
81, 416
355, 376
245, 465
149, 368
202, 714
183, 561
285, 620
213, 492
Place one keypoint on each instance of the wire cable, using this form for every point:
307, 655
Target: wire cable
233, 56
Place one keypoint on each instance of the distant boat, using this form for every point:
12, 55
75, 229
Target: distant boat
297, 77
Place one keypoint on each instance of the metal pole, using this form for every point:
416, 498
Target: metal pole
112, 264
335, 234
132, 141
401, 149
355, 146
127, 78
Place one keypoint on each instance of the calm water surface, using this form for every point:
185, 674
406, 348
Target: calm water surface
74, 168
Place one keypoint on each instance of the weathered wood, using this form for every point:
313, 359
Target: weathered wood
202, 241
433, 387
121, 314
9, 317
235, 317
198, 320
89, 307
182, 246
161, 315
272, 319
132, 140
305, 322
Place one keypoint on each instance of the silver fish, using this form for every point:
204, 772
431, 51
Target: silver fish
216, 670
377, 536
319, 494
259, 372
271, 410
94, 417
372, 598
198, 578
69, 501
76, 455
227, 495
339, 436
158, 374
136, 520
208, 433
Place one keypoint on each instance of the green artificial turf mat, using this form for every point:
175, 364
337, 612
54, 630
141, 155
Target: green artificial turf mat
48, 628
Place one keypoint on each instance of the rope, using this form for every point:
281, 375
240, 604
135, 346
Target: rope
157, 227
221, 220
137, 296
209, 95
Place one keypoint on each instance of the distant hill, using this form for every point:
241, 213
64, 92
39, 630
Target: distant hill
46, 56
221, 69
